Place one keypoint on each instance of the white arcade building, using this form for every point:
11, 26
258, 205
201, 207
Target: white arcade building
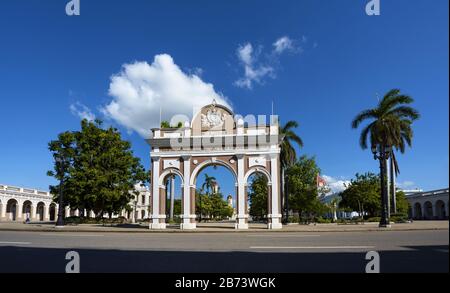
18, 204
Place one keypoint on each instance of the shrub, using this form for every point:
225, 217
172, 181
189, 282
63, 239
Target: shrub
373, 219
342, 221
73, 220
294, 219
321, 220
399, 218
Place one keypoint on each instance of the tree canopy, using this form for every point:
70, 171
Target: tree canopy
99, 172
362, 194
211, 204
302, 186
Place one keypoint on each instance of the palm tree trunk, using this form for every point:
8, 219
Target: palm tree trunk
388, 185
392, 187
384, 221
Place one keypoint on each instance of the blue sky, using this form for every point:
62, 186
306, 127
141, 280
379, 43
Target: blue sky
332, 63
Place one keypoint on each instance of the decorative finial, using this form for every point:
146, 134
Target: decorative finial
214, 103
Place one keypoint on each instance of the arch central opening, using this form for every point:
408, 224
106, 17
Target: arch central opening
216, 201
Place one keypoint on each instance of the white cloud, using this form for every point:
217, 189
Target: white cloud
257, 67
140, 89
82, 111
283, 44
245, 53
406, 184
253, 72
335, 184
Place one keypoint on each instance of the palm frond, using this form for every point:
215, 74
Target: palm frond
289, 125
405, 112
366, 114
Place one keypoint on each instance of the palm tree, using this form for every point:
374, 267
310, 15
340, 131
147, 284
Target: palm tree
209, 183
288, 156
389, 129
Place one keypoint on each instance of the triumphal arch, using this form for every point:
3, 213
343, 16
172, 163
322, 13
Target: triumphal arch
215, 136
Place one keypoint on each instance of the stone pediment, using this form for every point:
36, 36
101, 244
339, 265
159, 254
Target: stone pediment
213, 117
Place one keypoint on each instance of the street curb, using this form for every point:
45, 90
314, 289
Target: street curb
63, 230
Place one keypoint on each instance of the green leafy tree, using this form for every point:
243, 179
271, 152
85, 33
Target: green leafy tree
303, 192
403, 205
219, 207
362, 194
212, 206
166, 124
102, 171
258, 197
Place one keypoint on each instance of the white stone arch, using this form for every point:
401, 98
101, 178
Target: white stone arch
205, 164
258, 170
428, 210
168, 172
52, 211
439, 209
27, 209
40, 211
417, 210
13, 209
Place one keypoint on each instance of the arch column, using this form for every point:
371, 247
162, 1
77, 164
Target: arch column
19, 210
242, 216
188, 219
46, 212
446, 210
433, 210
56, 213
3, 210
33, 211
157, 219
66, 212
275, 212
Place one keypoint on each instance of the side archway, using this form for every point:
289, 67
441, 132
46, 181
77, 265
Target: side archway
171, 171
428, 210
11, 209
258, 170
417, 211
258, 194
440, 210
40, 210
170, 186
26, 210
52, 212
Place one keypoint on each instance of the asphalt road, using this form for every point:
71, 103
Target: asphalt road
400, 251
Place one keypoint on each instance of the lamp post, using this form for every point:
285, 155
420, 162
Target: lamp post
382, 154
59, 163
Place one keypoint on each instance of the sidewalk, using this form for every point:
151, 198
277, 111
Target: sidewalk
224, 228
